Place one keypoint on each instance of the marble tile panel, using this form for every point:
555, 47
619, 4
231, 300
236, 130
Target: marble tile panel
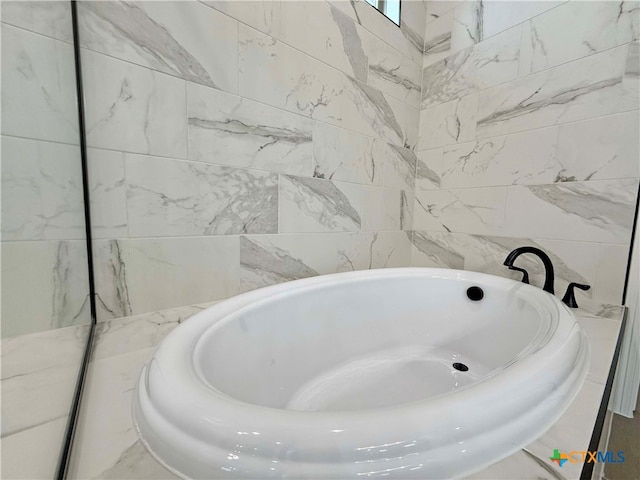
229, 130
44, 285
612, 269
49, 18
38, 87
33, 453
57, 348
268, 259
23, 404
261, 15
437, 41
133, 109
318, 205
586, 88
108, 193
447, 123
490, 63
340, 154
382, 209
472, 210
274, 73
399, 165
173, 198
143, 275
41, 190
369, 111
597, 211
122, 335
408, 39
601, 148
595, 27
327, 34
603, 334
476, 21
394, 74
183, 39
429, 168
631, 77
523, 158
433, 249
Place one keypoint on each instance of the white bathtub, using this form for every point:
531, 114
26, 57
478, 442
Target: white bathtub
350, 375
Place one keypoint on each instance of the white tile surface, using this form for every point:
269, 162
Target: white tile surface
38, 87
186, 39
133, 109
41, 190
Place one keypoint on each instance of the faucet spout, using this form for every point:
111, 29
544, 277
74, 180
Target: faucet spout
548, 266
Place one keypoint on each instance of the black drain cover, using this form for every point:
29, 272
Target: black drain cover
460, 366
475, 293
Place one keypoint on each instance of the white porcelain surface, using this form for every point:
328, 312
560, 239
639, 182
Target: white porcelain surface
300, 412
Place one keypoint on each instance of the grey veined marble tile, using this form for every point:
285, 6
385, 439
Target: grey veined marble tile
490, 63
229, 130
327, 34
318, 205
133, 109
429, 169
274, 73
267, 259
369, 111
50, 18
587, 88
184, 39
340, 154
596, 211
41, 190
470, 210
145, 275
595, 26
38, 87
174, 198
448, 123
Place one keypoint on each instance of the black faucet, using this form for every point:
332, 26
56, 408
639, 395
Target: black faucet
548, 266
569, 297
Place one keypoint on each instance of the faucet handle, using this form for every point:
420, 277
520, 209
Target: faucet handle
525, 274
569, 297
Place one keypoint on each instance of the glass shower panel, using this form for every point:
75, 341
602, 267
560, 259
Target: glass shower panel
45, 288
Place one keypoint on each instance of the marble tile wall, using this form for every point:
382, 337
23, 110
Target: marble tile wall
234, 145
529, 134
44, 268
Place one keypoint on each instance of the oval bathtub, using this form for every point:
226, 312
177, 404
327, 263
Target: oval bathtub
352, 375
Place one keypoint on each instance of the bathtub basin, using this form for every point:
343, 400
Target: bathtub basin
352, 375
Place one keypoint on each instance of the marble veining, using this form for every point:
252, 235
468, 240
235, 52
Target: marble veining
601, 25
438, 255
308, 204
229, 130
113, 275
490, 63
372, 113
153, 36
175, 198
429, 169
310, 87
394, 74
41, 190
400, 166
50, 18
133, 109
583, 89
260, 266
352, 44
448, 123
340, 154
